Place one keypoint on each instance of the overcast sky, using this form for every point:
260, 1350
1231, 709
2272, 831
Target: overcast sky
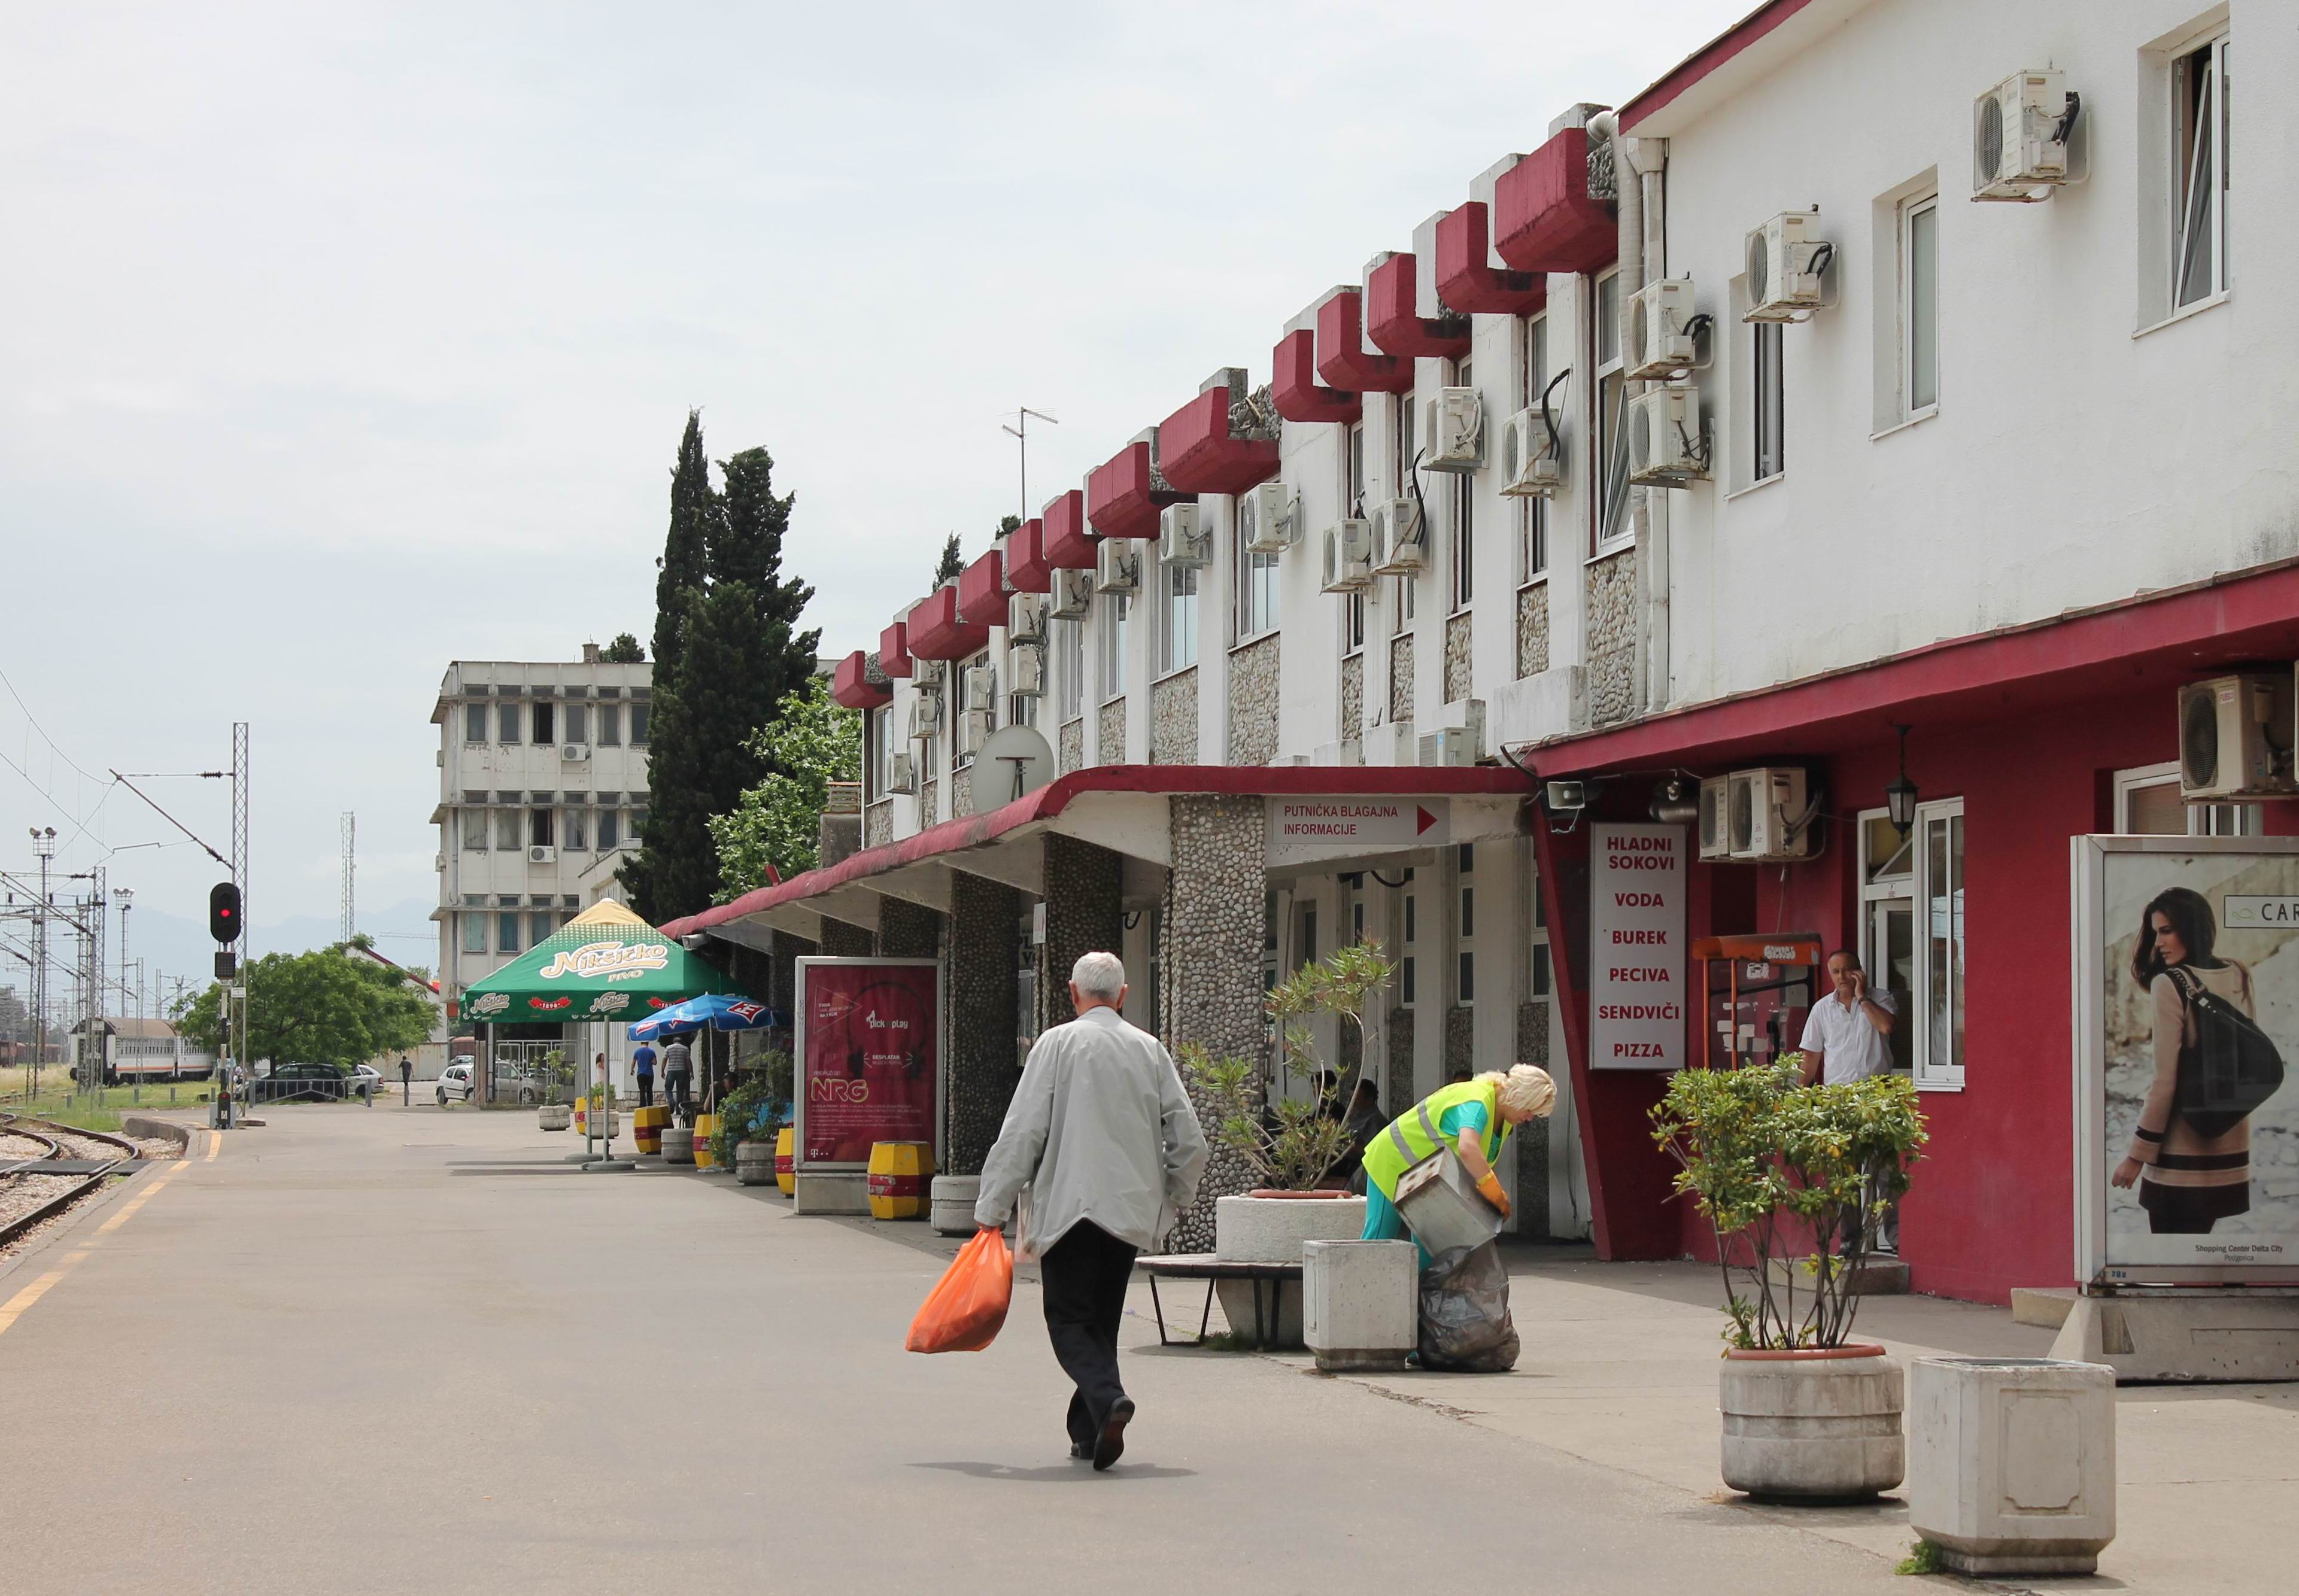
343, 341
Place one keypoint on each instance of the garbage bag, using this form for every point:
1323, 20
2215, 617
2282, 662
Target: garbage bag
1464, 1313
967, 1305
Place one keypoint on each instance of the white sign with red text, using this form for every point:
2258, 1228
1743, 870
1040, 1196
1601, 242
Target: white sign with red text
1303, 831
1636, 946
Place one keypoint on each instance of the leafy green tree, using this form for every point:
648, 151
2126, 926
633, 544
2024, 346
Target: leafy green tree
324, 1007
812, 743
950, 563
624, 650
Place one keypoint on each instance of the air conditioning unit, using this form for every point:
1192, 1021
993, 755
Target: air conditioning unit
1025, 618
1117, 567
2236, 736
1455, 431
575, 750
927, 675
1787, 259
1715, 802
2020, 132
1532, 464
1767, 816
981, 689
1661, 336
1072, 595
1449, 745
926, 716
1665, 442
1268, 518
1347, 567
438, 861
1184, 539
902, 775
1396, 544
979, 724
542, 853
1025, 670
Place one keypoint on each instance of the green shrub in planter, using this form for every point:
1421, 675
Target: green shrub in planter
1767, 1160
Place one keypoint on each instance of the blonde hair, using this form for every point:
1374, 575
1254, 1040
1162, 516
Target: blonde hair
1525, 1089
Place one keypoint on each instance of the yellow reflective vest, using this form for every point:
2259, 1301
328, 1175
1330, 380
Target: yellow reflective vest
1413, 1135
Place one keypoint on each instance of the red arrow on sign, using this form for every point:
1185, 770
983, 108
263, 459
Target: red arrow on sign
1425, 820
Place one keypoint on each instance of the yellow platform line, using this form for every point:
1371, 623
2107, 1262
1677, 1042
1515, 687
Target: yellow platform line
15, 1307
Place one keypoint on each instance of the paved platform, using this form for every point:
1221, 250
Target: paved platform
386, 1350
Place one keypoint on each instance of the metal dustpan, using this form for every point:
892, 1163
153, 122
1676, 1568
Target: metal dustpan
1440, 1206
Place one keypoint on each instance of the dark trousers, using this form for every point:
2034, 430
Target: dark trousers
646, 1091
673, 1089
1084, 1275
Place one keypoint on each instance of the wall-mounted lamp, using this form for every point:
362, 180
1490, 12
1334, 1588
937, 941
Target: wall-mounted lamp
1900, 793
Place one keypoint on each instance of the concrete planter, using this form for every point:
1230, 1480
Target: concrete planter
754, 1163
554, 1116
951, 1205
1359, 1302
1822, 1424
2012, 1464
1273, 1231
678, 1145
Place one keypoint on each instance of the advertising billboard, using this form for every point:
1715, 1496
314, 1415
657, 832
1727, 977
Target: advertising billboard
868, 1060
2187, 1008
1636, 946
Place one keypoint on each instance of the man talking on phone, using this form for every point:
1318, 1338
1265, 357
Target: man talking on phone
1844, 1040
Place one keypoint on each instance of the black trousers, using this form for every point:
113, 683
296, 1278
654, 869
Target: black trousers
1084, 1275
674, 1087
646, 1091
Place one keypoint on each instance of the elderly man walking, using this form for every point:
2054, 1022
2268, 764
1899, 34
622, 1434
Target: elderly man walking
1102, 1133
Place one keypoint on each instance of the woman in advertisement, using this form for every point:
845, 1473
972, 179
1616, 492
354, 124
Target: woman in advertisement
2188, 1181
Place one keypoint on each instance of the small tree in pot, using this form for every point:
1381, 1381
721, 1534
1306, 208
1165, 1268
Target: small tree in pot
1778, 1169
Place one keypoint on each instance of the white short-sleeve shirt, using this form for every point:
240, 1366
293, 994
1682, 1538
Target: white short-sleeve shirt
1850, 1047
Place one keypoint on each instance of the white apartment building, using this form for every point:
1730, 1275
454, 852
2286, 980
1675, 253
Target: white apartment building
1907, 364
542, 794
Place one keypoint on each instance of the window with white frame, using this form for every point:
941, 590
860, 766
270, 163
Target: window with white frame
573, 831
1404, 475
2148, 804
881, 748
575, 723
610, 725
609, 828
1257, 593
1115, 609
1353, 495
1767, 401
1069, 637
475, 830
475, 723
510, 836
507, 722
1177, 620
1938, 1054
1531, 511
1408, 969
1465, 926
1540, 976
2199, 150
1920, 305
1610, 525
475, 933
1464, 514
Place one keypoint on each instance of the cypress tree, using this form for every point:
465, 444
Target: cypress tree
684, 565
950, 563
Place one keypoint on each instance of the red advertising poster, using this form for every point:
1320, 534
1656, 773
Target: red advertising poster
869, 1048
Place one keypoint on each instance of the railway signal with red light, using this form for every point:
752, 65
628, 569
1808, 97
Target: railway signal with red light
223, 912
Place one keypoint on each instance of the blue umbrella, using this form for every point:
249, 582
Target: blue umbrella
714, 1009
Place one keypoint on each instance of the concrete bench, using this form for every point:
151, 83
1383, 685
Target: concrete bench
1213, 1271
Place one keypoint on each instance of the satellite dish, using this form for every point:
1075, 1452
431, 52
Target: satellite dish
1015, 761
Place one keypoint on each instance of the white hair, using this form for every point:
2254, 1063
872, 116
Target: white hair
1525, 1089
1099, 975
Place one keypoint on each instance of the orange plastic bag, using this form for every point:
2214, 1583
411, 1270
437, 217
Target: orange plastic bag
964, 1310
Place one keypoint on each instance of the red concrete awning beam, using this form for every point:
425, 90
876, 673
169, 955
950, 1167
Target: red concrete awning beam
936, 632
1466, 278
1294, 385
851, 686
1343, 358
1200, 455
1393, 316
981, 591
1028, 570
894, 650
1544, 218
1167, 781
1121, 500
1069, 543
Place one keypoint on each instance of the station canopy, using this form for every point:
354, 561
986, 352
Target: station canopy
606, 964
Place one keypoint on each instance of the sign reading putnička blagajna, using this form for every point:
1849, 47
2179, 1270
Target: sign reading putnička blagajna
1636, 946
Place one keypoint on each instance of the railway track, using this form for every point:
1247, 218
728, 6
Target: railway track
84, 1151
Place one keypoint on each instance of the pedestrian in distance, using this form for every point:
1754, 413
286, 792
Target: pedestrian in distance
406, 1080
643, 1067
1102, 1133
678, 1077
1474, 1119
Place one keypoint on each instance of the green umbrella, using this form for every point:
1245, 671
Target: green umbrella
606, 964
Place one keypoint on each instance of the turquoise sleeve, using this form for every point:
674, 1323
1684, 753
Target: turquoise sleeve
1461, 1117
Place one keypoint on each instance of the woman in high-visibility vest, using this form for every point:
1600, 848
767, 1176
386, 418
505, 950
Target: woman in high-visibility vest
1472, 1117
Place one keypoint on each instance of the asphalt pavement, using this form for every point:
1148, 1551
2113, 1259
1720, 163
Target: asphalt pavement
387, 1350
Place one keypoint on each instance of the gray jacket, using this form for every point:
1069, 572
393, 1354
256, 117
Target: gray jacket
1100, 1129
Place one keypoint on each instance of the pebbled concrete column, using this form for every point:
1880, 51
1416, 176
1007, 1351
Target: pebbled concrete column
1212, 977
984, 936
1084, 914
907, 930
1532, 1138
840, 940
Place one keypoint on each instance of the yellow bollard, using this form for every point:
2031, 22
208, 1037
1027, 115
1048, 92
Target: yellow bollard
899, 1174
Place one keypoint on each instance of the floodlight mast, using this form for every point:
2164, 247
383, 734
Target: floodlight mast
1021, 432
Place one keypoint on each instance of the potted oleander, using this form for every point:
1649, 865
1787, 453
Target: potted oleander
553, 1113
1791, 1179
1290, 1143
748, 1117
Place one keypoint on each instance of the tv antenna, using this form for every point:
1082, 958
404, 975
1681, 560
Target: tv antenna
1021, 432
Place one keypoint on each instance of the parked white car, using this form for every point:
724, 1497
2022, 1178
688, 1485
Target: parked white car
455, 1081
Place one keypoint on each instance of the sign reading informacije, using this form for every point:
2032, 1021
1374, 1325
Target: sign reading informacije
1303, 831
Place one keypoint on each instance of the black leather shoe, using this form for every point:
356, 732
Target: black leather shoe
1110, 1444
